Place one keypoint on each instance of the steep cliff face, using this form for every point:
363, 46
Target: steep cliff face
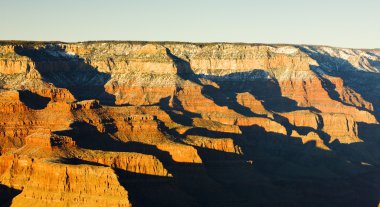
52, 184
168, 124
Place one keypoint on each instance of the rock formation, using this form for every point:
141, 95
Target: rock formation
185, 124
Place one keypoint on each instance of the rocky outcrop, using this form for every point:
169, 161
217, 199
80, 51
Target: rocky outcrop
181, 153
221, 144
311, 137
304, 119
341, 127
48, 184
131, 162
10, 102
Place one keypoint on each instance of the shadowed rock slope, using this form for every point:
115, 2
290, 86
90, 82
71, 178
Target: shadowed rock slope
183, 124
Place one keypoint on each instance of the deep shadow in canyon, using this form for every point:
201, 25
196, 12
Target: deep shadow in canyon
7, 195
365, 83
256, 82
68, 71
275, 170
33, 100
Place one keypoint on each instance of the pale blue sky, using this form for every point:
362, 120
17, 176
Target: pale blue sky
344, 23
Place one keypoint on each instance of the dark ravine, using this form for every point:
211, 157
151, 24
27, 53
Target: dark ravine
183, 124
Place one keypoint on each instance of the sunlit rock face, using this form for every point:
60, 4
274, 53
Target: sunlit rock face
183, 124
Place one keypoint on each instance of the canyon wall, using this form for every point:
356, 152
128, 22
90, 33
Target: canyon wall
168, 124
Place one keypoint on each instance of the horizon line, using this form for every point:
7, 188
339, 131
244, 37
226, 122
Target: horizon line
178, 42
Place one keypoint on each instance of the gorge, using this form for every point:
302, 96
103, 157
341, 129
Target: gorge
188, 124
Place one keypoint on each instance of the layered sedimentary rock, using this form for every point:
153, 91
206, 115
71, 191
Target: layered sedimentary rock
52, 184
169, 124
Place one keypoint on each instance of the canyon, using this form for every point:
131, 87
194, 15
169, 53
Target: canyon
188, 124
